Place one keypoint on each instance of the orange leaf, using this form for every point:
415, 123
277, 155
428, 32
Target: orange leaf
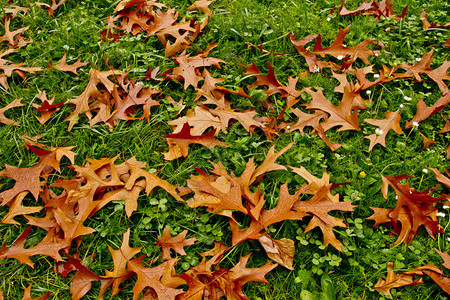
177, 243
27, 294
392, 121
179, 143
394, 280
63, 66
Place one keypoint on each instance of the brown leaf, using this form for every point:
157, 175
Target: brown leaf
14, 10
384, 9
179, 143
438, 75
16, 209
14, 38
203, 282
394, 280
281, 251
423, 111
82, 281
151, 277
392, 121
27, 294
413, 210
120, 258
82, 102
49, 246
12, 104
28, 179
52, 7
188, 67
47, 108
341, 115
177, 243
442, 178
426, 141
426, 23
63, 66
337, 48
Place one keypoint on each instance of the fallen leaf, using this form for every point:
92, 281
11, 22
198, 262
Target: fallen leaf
151, 277
179, 143
12, 104
167, 242
392, 121
63, 66
394, 280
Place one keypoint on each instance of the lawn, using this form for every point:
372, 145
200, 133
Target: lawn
224, 149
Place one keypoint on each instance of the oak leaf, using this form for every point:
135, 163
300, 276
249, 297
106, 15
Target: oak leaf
63, 66
47, 108
188, 67
49, 246
413, 209
12, 104
177, 243
8, 68
179, 143
82, 280
151, 277
14, 10
392, 121
337, 48
16, 209
27, 179
203, 282
423, 111
438, 75
82, 102
51, 7
341, 115
383, 9
14, 38
426, 23
120, 258
394, 280
27, 294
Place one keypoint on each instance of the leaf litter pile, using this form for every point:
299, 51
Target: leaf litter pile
113, 96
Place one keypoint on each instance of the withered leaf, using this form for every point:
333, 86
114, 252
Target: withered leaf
120, 258
63, 66
47, 108
151, 277
167, 242
27, 294
49, 246
16, 209
423, 111
394, 280
413, 210
179, 143
12, 104
82, 281
392, 121
51, 7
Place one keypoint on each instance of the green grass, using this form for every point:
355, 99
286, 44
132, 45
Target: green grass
234, 26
